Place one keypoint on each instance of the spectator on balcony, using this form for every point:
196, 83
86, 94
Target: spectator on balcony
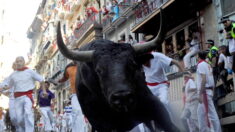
131, 40
193, 43
169, 49
223, 66
213, 58
78, 24
91, 12
115, 9
229, 27
105, 11
207, 115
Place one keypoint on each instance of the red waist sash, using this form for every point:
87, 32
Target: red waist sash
155, 84
27, 93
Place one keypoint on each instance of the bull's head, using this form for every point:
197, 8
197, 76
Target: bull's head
116, 67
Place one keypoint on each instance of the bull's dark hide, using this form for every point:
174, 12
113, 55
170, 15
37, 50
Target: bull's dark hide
114, 68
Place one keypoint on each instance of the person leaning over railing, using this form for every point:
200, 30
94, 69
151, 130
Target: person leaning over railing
193, 43
229, 27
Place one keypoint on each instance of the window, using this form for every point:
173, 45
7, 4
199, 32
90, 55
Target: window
228, 6
169, 47
180, 42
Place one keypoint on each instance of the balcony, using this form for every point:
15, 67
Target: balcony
61, 15
145, 11
117, 15
68, 15
89, 27
75, 6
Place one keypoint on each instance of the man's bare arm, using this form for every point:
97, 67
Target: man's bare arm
174, 62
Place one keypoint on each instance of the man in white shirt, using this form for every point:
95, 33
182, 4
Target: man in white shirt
155, 75
156, 80
194, 49
207, 115
10, 89
189, 114
23, 81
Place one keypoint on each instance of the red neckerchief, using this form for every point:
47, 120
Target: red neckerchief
22, 69
200, 61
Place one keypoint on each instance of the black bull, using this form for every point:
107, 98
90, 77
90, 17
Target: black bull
111, 86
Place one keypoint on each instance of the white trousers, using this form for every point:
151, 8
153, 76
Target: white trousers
212, 115
24, 114
187, 58
78, 122
12, 111
47, 117
189, 116
2, 125
161, 91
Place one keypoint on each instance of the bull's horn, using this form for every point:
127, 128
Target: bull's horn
153, 44
73, 55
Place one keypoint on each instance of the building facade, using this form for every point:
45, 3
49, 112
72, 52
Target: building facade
87, 20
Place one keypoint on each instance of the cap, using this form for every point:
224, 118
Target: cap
209, 41
224, 19
148, 37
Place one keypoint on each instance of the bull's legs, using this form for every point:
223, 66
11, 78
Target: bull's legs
162, 117
151, 126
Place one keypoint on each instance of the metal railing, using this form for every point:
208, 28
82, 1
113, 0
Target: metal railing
144, 9
115, 15
174, 69
86, 25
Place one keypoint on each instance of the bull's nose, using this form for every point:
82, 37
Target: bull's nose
122, 99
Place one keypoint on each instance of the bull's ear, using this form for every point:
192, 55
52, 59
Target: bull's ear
143, 58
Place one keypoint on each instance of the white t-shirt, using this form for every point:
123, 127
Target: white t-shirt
231, 44
222, 58
190, 85
23, 81
195, 45
230, 61
205, 68
155, 73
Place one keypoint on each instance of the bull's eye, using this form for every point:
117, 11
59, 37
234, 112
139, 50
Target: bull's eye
99, 71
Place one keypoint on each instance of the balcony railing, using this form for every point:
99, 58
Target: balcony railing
144, 9
85, 26
116, 12
174, 69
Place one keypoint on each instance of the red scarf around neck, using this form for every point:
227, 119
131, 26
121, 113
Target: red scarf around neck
200, 61
22, 69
